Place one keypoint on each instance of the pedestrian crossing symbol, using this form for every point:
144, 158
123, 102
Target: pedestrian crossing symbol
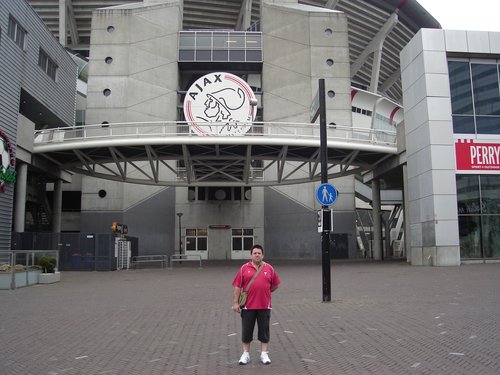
326, 194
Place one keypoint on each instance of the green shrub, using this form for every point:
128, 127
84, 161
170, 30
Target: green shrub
47, 263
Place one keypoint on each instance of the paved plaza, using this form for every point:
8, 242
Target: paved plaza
384, 318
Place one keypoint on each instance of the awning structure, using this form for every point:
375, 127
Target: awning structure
166, 153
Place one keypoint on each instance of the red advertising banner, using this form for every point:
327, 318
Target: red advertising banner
477, 156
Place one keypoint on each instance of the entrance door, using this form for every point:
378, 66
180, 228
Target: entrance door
241, 242
197, 242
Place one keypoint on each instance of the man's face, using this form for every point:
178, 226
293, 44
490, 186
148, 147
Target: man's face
257, 255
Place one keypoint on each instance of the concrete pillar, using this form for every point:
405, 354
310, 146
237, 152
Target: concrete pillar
62, 22
406, 211
57, 207
20, 196
377, 220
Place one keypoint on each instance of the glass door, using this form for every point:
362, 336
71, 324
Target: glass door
197, 242
241, 242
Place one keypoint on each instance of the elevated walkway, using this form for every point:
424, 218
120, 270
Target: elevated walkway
167, 153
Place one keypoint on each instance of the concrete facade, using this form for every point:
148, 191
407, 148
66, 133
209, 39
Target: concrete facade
133, 54
29, 98
432, 190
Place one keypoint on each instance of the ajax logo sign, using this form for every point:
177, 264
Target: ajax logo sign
7, 162
220, 104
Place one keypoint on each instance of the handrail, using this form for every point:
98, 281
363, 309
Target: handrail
280, 130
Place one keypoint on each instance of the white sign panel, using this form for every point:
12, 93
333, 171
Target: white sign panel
220, 104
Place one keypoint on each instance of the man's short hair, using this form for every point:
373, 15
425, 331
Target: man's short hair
257, 247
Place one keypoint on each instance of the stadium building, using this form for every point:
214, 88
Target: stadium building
193, 124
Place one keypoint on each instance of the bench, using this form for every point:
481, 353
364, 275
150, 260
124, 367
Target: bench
184, 258
135, 260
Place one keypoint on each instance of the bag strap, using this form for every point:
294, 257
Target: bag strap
254, 276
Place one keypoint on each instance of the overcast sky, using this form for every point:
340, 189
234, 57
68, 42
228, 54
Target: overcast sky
465, 15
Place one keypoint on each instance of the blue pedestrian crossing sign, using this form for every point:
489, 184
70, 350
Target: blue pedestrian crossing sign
326, 194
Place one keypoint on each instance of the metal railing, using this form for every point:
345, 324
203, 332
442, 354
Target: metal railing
21, 266
277, 130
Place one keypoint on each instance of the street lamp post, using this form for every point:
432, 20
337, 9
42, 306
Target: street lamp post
180, 232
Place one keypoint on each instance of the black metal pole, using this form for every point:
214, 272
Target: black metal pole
325, 234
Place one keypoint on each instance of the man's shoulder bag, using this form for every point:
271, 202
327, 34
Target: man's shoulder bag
242, 300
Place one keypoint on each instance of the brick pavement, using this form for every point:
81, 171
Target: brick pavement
385, 318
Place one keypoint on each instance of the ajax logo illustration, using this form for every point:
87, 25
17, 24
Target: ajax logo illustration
7, 162
220, 104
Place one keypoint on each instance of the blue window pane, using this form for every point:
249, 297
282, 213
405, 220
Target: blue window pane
220, 55
255, 56
186, 55
486, 91
203, 55
237, 55
463, 124
460, 87
488, 124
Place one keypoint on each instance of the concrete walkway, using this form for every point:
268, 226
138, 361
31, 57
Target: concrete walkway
385, 318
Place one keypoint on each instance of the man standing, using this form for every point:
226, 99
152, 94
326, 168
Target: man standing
258, 303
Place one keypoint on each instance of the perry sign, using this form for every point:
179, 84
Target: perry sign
220, 104
474, 156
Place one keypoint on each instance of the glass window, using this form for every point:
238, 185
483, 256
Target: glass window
221, 41
47, 65
236, 40
469, 228
238, 55
468, 194
254, 40
186, 55
202, 244
254, 55
490, 194
463, 124
242, 239
488, 124
491, 236
196, 239
203, 55
204, 40
220, 55
460, 87
186, 40
16, 32
486, 91
237, 244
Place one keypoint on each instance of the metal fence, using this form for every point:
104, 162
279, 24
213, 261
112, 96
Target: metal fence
77, 251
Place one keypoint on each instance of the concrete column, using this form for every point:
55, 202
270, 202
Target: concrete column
57, 207
62, 22
20, 197
406, 211
377, 221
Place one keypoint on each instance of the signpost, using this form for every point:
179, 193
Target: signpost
326, 198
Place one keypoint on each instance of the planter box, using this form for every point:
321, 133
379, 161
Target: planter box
49, 278
22, 278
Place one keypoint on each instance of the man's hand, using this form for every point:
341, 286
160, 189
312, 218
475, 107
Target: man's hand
236, 307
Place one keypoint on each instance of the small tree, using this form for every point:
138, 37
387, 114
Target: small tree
47, 263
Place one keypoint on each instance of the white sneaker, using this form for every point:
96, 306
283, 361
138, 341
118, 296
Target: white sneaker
264, 358
245, 358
